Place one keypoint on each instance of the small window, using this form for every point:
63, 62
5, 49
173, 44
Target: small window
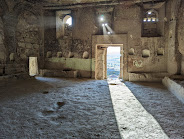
67, 20
150, 23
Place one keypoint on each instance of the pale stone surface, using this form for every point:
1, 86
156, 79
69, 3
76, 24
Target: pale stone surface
33, 66
85, 55
146, 110
175, 88
70, 55
12, 56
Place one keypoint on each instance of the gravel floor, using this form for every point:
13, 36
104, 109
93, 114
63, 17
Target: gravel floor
56, 108
162, 105
83, 109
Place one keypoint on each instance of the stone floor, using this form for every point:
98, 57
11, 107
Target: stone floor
82, 108
56, 108
147, 110
166, 109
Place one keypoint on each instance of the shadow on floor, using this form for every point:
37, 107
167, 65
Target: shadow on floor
72, 108
162, 105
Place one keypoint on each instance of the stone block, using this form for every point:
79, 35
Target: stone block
1, 71
58, 73
36, 46
85, 55
21, 44
49, 54
2, 56
12, 57
29, 45
59, 54
70, 55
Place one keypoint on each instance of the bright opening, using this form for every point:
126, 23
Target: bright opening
33, 66
102, 18
149, 12
113, 62
69, 21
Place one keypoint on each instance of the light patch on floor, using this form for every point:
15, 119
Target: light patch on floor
137, 121
83, 108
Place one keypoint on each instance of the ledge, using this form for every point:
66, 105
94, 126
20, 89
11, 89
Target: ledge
58, 73
147, 77
175, 86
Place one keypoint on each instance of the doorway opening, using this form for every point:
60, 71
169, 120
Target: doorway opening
109, 61
33, 66
113, 62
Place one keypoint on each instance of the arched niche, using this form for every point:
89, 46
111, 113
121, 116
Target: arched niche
145, 53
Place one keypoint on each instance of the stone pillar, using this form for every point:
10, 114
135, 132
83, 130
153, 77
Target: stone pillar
10, 23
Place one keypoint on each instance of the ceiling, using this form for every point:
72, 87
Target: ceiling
61, 3
66, 2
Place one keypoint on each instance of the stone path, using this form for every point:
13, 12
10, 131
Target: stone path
146, 111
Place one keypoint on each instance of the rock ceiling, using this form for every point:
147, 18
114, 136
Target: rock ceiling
68, 2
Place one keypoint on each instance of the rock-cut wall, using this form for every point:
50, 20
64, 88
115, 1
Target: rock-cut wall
2, 47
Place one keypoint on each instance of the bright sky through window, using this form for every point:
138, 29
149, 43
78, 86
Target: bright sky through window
113, 50
69, 21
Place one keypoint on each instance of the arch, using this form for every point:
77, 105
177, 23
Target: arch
151, 16
150, 21
131, 51
67, 20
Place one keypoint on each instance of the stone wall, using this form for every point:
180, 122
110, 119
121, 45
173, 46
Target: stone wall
171, 41
2, 47
125, 20
28, 36
50, 42
155, 62
20, 35
180, 34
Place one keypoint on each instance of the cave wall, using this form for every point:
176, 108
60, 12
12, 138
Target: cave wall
2, 47
180, 34
125, 19
129, 20
171, 37
28, 36
20, 36
31, 31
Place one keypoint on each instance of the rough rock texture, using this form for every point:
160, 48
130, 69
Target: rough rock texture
30, 28
28, 37
19, 31
167, 110
28, 111
176, 88
171, 40
2, 47
86, 24
181, 28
